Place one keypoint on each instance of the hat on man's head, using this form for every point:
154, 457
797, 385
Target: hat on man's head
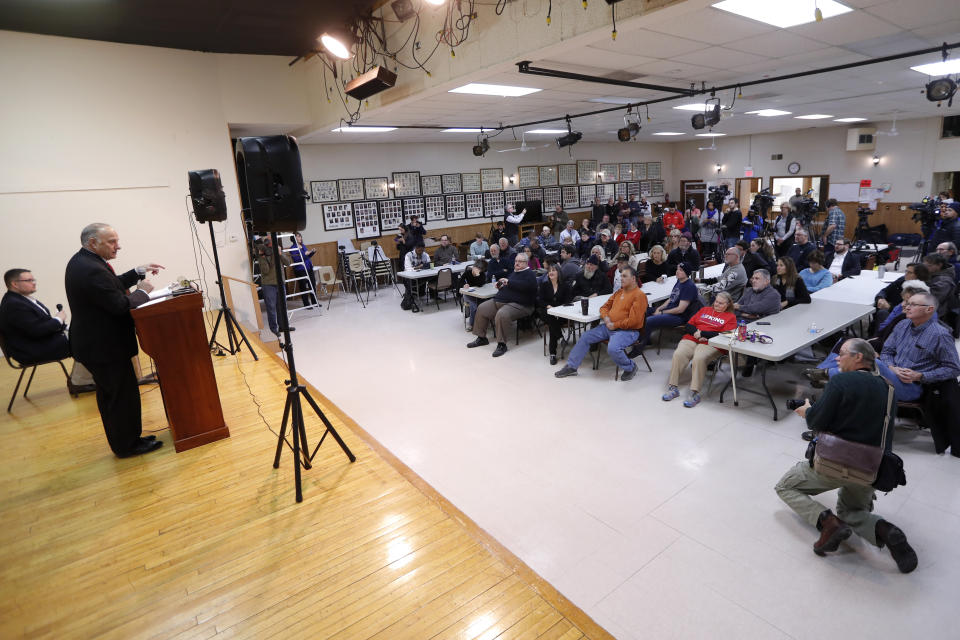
955, 206
594, 260
605, 232
684, 267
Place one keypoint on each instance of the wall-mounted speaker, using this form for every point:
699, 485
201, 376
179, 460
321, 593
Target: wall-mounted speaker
271, 183
206, 193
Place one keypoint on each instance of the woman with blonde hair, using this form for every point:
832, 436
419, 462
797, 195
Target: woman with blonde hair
673, 240
657, 267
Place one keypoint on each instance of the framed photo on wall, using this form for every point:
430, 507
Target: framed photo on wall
323, 191
451, 183
571, 197
351, 188
391, 214
376, 188
434, 208
337, 216
626, 171
474, 205
548, 176
367, 218
653, 170
528, 176
413, 207
533, 194
610, 171
639, 170
551, 198
406, 183
471, 182
633, 189
622, 190
456, 207
567, 174
605, 191
587, 194
491, 179
587, 171
656, 187
431, 185
493, 203
513, 197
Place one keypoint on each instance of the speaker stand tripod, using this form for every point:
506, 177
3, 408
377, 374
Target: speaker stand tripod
293, 409
229, 322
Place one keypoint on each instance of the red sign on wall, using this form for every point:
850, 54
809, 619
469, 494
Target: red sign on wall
865, 184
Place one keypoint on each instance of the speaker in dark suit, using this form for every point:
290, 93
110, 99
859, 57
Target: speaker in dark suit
103, 337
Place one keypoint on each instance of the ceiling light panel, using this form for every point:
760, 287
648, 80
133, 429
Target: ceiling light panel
552, 131
668, 133
945, 68
502, 90
813, 116
768, 113
710, 135
456, 130
784, 13
363, 129
699, 106
850, 120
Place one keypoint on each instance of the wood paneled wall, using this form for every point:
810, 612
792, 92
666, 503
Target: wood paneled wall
887, 213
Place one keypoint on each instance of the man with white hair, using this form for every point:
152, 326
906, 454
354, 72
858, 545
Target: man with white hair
513, 220
103, 337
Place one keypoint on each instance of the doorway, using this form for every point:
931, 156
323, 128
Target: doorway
746, 189
695, 190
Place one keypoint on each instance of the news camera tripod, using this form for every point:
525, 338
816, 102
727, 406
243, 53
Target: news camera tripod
293, 409
229, 322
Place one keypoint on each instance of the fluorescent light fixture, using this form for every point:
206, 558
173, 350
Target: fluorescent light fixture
813, 116
552, 131
502, 90
436, 3
849, 119
784, 13
768, 113
456, 130
363, 129
698, 106
613, 100
668, 133
710, 135
945, 68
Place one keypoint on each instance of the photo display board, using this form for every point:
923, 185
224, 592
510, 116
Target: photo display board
391, 214
451, 183
548, 176
533, 194
456, 209
587, 171
610, 171
639, 170
552, 197
626, 171
622, 190
653, 170
434, 208
567, 174
571, 197
656, 187
471, 182
413, 207
376, 188
431, 185
644, 187
337, 216
406, 183
513, 197
493, 203
528, 177
474, 205
351, 188
367, 217
324, 191
605, 191
633, 189
587, 194
491, 179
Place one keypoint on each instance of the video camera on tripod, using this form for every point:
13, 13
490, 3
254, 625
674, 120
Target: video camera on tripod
718, 195
806, 209
762, 201
926, 213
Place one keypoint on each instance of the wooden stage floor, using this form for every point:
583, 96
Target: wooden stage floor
210, 543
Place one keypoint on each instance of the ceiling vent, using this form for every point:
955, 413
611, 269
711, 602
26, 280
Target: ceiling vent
862, 139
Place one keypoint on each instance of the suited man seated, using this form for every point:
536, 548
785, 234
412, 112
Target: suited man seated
34, 334
840, 261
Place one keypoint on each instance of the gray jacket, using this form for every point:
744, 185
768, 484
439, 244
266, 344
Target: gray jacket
732, 280
765, 303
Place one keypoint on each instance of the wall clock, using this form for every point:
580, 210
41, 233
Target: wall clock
793, 168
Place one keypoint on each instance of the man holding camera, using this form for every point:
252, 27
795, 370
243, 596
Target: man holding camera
854, 406
270, 279
949, 229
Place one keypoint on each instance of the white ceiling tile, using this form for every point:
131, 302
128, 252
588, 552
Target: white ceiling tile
947, 31
846, 28
718, 58
777, 44
650, 43
914, 14
714, 27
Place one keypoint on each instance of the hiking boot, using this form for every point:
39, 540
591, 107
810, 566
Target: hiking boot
896, 540
833, 531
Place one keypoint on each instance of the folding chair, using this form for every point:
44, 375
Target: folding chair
23, 369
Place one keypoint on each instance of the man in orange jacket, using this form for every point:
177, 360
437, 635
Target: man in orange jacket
622, 317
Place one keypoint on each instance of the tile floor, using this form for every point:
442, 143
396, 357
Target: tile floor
657, 520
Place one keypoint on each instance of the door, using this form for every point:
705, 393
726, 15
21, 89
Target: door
695, 190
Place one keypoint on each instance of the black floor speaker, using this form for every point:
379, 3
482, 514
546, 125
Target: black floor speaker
271, 183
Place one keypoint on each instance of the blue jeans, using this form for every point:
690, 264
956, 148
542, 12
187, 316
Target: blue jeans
619, 340
904, 392
659, 321
473, 303
269, 292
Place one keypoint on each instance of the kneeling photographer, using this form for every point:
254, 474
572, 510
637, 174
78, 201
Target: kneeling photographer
851, 451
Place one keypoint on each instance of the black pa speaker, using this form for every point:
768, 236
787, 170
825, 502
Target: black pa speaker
271, 183
206, 193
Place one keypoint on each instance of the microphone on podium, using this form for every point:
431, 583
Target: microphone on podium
59, 307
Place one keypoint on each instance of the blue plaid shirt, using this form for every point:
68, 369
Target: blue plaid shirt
836, 217
929, 349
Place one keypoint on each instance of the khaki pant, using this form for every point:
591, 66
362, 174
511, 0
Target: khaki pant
502, 314
700, 354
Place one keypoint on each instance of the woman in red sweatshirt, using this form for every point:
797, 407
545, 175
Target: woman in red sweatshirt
705, 324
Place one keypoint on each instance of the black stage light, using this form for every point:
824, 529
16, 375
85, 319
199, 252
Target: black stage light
481, 147
940, 90
568, 139
707, 118
628, 132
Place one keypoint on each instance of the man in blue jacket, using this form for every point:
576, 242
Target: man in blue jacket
516, 299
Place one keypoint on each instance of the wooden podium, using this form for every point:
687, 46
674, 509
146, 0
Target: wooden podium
173, 333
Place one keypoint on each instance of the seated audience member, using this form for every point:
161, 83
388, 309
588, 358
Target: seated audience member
890, 296
686, 255
498, 231
759, 299
621, 261
949, 251
825, 370
584, 246
479, 248
633, 235
705, 324
657, 269
591, 281
651, 234
524, 241
789, 284
586, 226
569, 233
618, 235
569, 264
532, 260
538, 251
414, 261
841, 262
516, 299
621, 320
33, 334
606, 242
605, 223
553, 292
505, 250
626, 248
446, 253
754, 259
497, 266
600, 254
672, 219
732, 280
676, 310
815, 276
673, 241
799, 251
546, 237
473, 276
942, 283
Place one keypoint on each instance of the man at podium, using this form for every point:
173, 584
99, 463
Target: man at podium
103, 337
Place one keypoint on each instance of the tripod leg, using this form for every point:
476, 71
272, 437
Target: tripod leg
216, 325
283, 432
243, 336
330, 429
296, 428
301, 423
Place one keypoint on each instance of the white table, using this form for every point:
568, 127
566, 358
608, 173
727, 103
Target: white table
433, 271
790, 330
481, 293
861, 289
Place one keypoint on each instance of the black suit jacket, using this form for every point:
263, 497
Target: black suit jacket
102, 329
32, 334
851, 262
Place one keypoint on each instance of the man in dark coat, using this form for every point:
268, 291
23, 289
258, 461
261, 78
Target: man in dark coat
103, 337
32, 333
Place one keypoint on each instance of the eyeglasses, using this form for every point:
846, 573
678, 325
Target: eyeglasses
27, 280
911, 304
